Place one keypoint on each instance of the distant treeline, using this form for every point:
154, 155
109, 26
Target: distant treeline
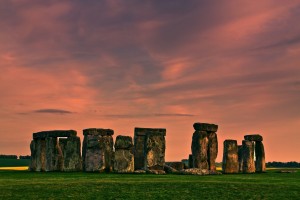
14, 157
292, 164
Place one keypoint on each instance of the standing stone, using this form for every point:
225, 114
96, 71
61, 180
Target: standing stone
33, 157
53, 155
97, 150
70, 149
124, 157
139, 145
212, 151
240, 155
248, 157
230, 157
38, 155
199, 149
260, 164
155, 145
191, 161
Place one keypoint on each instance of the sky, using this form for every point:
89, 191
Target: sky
117, 64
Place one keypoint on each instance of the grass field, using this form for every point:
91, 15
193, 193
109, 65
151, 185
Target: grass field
58, 185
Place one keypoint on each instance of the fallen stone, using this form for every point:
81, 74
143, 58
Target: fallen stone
199, 149
54, 133
248, 157
158, 172
195, 171
140, 171
260, 163
98, 132
288, 171
176, 165
230, 162
123, 142
70, 148
212, 151
254, 137
170, 170
205, 127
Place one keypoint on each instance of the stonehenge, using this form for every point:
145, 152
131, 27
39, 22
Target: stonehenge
57, 150
60, 150
204, 146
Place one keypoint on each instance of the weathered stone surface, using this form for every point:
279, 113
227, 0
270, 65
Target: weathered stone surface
98, 153
155, 145
230, 157
176, 165
123, 142
33, 157
240, 155
195, 171
139, 144
38, 155
124, 161
140, 171
205, 127
248, 157
98, 132
54, 133
260, 164
199, 149
157, 172
212, 151
185, 163
191, 161
254, 137
70, 148
54, 156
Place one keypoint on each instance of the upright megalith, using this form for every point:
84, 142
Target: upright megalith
124, 158
256, 139
47, 154
240, 155
70, 149
230, 162
205, 146
149, 148
248, 157
97, 151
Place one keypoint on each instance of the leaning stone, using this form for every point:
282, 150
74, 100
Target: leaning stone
199, 149
176, 165
169, 170
71, 153
255, 137
124, 161
248, 157
260, 164
123, 142
155, 146
212, 151
98, 132
54, 133
205, 127
230, 162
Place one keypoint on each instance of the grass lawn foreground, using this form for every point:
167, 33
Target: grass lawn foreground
80, 185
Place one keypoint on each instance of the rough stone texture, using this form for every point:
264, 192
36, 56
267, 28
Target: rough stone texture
54, 157
124, 157
139, 144
191, 161
176, 165
158, 172
248, 157
98, 132
169, 170
195, 171
123, 142
212, 151
260, 164
40, 155
199, 149
255, 137
33, 157
54, 133
230, 157
70, 149
97, 150
240, 155
205, 127
155, 146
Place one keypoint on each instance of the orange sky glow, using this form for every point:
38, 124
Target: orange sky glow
158, 64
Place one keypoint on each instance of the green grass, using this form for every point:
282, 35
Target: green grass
6, 162
58, 185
